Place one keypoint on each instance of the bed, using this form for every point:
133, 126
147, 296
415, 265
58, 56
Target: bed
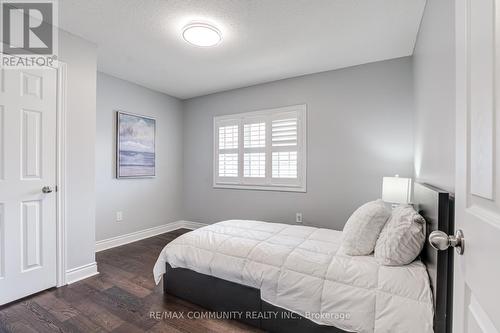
295, 277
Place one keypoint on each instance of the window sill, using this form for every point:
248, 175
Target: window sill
276, 188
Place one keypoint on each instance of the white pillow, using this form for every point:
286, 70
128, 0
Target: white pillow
363, 228
402, 238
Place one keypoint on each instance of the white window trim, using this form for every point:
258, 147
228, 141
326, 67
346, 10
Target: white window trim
277, 185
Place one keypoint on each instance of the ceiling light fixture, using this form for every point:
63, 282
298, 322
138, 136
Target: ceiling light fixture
201, 34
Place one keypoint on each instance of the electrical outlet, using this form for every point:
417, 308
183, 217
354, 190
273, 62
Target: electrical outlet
298, 218
119, 216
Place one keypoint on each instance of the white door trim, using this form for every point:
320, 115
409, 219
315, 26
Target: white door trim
61, 139
61, 175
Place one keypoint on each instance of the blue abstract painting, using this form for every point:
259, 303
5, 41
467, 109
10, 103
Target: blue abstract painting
135, 146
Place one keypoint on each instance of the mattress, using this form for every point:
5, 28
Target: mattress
300, 269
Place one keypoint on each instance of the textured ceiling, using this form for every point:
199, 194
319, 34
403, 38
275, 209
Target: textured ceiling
264, 40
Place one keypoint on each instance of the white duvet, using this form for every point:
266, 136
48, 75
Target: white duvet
299, 269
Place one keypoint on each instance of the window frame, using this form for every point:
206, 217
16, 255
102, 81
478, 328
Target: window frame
267, 183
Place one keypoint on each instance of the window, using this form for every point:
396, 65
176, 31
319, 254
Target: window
263, 150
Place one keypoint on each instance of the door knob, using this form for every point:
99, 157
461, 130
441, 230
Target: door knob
47, 189
441, 241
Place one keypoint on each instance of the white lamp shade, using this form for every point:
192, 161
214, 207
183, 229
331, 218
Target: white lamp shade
396, 190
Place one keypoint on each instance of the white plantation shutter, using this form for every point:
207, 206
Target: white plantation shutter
254, 165
254, 135
261, 150
284, 131
228, 151
254, 148
284, 141
285, 164
228, 165
228, 137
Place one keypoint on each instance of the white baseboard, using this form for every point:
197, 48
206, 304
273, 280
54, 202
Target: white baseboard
192, 225
146, 233
79, 273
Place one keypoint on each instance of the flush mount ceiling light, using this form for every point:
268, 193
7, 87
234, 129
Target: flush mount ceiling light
201, 34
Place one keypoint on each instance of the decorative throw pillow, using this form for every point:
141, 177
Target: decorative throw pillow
363, 228
402, 238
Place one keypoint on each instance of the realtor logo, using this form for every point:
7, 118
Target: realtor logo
29, 32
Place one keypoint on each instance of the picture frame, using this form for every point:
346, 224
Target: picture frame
135, 145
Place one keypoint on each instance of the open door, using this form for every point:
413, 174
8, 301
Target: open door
27, 181
477, 271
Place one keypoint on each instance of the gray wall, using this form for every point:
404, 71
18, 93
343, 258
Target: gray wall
434, 75
360, 123
81, 59
144, 202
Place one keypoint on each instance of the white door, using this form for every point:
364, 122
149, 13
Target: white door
27, 164
477, 272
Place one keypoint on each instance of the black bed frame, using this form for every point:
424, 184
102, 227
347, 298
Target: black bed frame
435, 205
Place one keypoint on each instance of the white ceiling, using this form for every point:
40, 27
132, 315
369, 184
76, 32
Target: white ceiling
263, 40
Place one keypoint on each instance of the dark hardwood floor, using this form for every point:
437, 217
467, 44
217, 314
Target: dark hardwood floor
120, 299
